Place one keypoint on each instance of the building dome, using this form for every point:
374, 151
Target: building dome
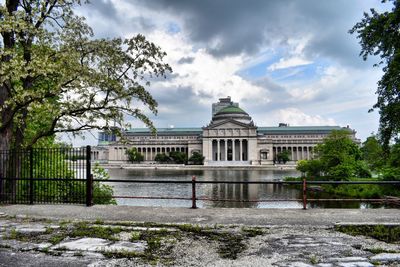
232, 112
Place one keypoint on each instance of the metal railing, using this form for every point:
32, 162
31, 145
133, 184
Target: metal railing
304, 190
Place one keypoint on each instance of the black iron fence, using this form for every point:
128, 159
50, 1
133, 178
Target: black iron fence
63, 175
46, 175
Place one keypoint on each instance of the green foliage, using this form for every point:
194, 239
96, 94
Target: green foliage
55, 76
134, 155
283, 156
102, 193
311, 168
340, 156
379, 35
178, 157
162, 158
372, 153
196, 158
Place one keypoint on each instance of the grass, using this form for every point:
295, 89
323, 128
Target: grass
83, 229
352, 191
386, 233
380, 250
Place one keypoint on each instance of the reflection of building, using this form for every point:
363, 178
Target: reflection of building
231, 138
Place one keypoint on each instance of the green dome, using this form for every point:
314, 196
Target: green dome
231, 109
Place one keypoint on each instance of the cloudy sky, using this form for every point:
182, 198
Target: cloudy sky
286, 61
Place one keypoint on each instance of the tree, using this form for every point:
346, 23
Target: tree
340, 157
134, 155
379, 35
162, 158
283, 156
372, 153
56, 76
312, 168
196, 158
178, 157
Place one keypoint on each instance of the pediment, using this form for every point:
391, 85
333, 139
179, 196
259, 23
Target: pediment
230, 124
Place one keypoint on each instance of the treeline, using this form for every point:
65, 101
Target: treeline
340, 158
173, 157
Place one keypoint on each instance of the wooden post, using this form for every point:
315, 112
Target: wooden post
194, 192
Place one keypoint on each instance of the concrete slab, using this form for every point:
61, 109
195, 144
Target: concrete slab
386, 257
127, 246
85, 244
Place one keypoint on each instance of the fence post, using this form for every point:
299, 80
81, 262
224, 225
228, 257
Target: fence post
31, 184
89, 179
304, 194
194, 192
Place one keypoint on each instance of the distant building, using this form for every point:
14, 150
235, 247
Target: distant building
230, 139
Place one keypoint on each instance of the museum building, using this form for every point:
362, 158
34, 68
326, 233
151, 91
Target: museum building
230, 139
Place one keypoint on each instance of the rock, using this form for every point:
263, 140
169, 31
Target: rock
128, 246
93, 255
386, 257
85, 244
30, 229
356, 264
2, 214
325, 265
299, 264
124, 236
347, 259
43, 246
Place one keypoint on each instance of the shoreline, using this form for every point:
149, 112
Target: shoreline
193, 167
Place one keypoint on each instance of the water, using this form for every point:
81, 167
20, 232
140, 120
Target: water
254, 192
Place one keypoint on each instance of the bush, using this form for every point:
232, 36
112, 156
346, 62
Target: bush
134, 155
283, 156
162, 158
102, 193
311, 168
178, 157
196, 159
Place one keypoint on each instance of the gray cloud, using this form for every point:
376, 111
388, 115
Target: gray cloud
181, 107
186, 60
229, 27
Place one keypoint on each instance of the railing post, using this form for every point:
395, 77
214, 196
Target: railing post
304, 194
194, 192
89, 179
31, 184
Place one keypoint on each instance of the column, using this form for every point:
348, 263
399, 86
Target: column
226, 149
233, 150
218, 150
291, 153
240, 150
151, 153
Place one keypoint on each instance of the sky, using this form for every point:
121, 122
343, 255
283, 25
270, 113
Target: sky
290, 61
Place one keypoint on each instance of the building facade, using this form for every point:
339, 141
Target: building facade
230, 139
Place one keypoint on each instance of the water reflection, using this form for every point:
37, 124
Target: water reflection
242, 193
245, 195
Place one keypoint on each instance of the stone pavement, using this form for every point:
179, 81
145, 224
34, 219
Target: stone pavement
108, 236
208, 216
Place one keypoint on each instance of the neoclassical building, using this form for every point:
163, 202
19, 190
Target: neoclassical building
230, 139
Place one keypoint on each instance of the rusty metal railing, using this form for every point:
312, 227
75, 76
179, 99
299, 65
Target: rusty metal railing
304, 183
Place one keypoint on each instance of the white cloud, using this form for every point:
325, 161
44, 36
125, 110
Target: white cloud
284, 63
296, 117
206, 75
